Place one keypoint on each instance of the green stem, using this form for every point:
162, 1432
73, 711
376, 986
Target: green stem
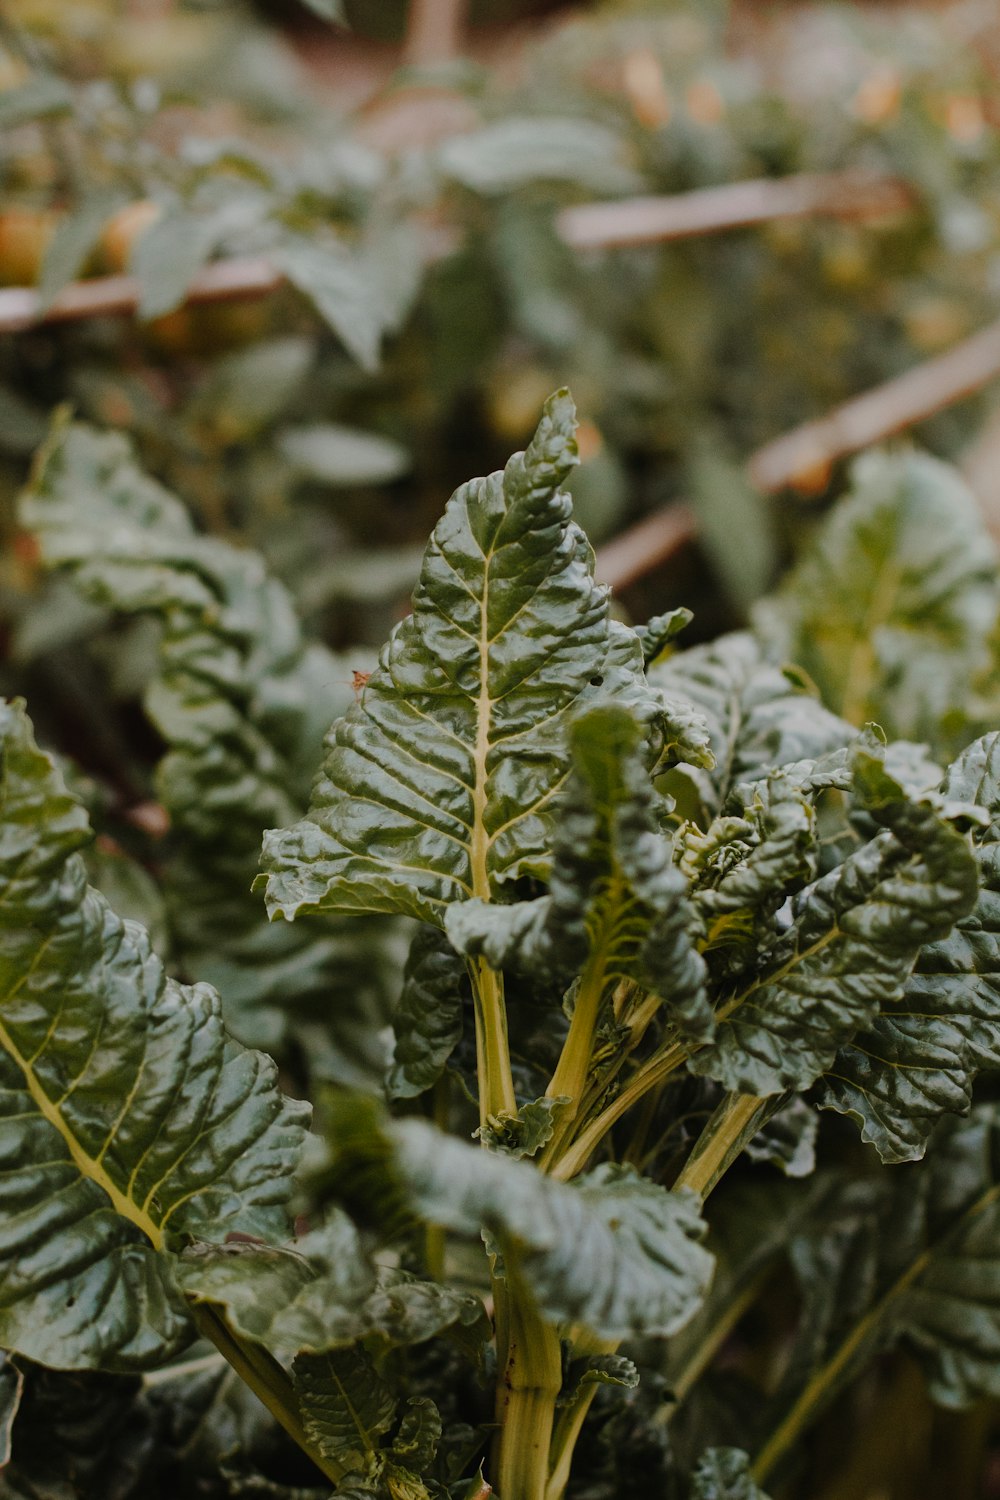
822, 1384
569, 1081
687, 1377
268, 1381
570, 1076
527, 1392
637, 1018
496, 1082
731, 1125
825, 1380
636, 1149
648, 1077
567, 1432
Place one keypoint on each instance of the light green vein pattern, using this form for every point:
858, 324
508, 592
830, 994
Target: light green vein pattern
128, 1120
438, 785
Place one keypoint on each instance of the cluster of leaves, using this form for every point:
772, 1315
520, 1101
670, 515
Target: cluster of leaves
669, 908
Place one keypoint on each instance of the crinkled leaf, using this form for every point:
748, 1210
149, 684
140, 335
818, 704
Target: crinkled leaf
657, 634
724, 1474
303, 1297
854, 937
241, 702
428, 1019
323, 1293
599, 1369
617, 904
612, 1250
438, 785
920, 1057
524, 1133
345, 1405
416, 1442
405, 1310
759, 717
129, 1119
743, 868
891, 610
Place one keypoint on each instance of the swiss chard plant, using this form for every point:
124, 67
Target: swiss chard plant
664, 907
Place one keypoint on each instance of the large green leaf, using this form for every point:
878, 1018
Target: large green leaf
241, 702
616, 906
439, 784
129, 1120
891, 611
612, 1250
854, 938
920, 1057
81, 1433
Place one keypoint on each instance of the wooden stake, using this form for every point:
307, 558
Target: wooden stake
642, 221
109, 296
909, 398
645, 546
434, 32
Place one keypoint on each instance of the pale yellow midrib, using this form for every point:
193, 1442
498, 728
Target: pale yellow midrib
479, 847
87, 1165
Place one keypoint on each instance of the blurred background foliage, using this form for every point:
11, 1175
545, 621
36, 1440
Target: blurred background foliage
416, 210
430, 300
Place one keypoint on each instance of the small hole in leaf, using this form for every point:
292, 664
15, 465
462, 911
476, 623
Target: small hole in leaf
596, 681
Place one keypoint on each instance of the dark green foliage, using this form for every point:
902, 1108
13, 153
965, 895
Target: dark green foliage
662, 920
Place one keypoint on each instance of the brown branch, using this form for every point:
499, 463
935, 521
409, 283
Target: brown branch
223, 281
645, 546
434, 32
629, 222
638, 221
888, 408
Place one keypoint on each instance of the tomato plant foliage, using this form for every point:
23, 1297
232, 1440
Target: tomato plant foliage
663, 907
